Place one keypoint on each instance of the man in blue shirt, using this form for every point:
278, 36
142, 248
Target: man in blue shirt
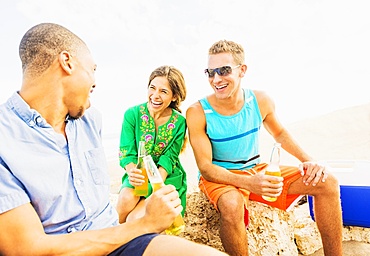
54, 186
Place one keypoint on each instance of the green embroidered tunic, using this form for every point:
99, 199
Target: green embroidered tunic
164, 146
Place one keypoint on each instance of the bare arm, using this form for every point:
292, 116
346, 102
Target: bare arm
272, 124
276, 129
22, 230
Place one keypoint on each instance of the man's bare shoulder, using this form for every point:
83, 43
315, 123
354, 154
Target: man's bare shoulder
260, 93
265, 103
195, 105
194, 108
195, 113
262, 97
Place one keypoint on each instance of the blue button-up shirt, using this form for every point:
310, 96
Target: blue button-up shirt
66, 181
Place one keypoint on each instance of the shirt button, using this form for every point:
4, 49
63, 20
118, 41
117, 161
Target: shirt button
39, 119
71, 229
31, 123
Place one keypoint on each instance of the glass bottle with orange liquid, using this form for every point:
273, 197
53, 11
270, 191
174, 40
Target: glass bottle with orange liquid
156, 181
142, 190
273, 168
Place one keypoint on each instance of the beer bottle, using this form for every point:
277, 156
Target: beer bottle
156, 181
273, 168
142, 190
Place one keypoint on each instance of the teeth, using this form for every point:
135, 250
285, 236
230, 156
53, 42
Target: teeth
156, 103
220, 87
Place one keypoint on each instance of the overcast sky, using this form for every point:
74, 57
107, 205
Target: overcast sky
311, 56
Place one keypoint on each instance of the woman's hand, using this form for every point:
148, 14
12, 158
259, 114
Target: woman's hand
135, 177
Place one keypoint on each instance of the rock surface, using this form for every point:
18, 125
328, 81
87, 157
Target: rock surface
271, 231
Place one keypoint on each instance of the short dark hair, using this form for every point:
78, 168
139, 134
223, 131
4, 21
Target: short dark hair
42, 43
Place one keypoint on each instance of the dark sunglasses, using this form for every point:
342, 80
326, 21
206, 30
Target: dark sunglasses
221, 71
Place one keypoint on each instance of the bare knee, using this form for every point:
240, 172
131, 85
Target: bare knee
126, 203
231, 206
328, 188
126, 195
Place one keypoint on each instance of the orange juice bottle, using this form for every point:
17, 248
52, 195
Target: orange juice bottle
273, 168
156, 181
142, 190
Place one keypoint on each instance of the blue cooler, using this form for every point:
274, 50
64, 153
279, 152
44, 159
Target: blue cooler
354, 181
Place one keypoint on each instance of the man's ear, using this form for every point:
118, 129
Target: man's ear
65, 61
243, 70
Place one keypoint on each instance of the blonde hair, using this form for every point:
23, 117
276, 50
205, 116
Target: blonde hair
224, 46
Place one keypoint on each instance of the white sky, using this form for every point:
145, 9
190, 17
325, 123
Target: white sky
312, 56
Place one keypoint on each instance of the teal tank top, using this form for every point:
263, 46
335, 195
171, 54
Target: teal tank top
235, 139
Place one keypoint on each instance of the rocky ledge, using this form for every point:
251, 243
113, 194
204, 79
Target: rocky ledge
271, 231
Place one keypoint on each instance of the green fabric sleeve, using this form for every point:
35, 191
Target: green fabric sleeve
128, 147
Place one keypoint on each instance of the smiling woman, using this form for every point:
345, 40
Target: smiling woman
160, 125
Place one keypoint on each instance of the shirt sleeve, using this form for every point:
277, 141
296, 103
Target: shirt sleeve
128, 148
12, 192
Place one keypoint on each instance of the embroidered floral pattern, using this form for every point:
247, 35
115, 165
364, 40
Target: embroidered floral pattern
122, 153
155, 144
145, 118
148, 137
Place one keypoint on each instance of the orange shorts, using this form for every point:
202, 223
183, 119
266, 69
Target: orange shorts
213, 191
